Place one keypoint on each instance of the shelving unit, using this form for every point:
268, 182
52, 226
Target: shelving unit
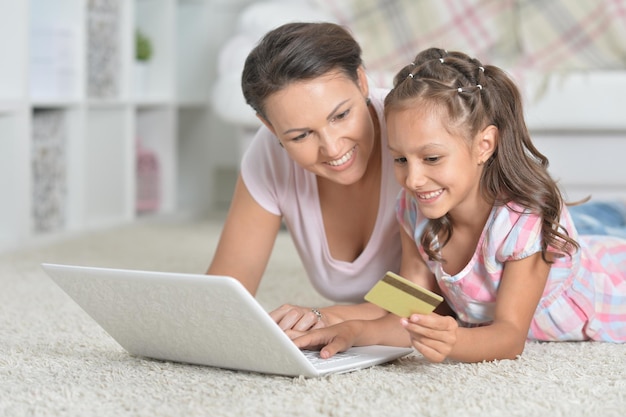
73, 112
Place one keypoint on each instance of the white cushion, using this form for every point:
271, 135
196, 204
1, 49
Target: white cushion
254, 22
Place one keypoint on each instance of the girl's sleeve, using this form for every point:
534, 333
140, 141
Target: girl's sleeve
408, 215
406, 212
516, 235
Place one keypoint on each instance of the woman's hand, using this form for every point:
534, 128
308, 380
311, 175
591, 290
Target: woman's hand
432, 335
300, 319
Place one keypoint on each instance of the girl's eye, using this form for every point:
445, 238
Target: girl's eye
399, 160
432, 159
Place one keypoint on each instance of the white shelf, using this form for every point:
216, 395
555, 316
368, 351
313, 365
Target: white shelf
56, 49
14, 174
154, 129
193, 52
69, 66
195, 176
13, 50
156, 19
109, 167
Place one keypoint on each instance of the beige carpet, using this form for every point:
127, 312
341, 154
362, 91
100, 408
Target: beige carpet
55, 361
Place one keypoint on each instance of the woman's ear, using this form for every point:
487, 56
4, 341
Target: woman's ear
266, 123
487, 143
363, 81
269, 126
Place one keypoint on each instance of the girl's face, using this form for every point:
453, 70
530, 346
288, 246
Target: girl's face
324, 125
440, 169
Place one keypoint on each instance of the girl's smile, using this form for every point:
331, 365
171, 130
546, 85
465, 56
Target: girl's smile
429, 196
439, 168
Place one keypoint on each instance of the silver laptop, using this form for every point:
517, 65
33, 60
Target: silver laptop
198, 319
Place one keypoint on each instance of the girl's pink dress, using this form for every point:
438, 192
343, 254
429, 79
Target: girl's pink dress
584, 297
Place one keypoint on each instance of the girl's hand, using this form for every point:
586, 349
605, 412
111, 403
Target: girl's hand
300, 319
330, 340
432, 335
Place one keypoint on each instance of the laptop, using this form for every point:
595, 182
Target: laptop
199, 319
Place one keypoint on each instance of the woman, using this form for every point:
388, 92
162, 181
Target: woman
319, 163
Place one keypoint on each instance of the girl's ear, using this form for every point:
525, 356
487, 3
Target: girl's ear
487, 143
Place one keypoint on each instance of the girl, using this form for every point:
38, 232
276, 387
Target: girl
489, 228
320, 164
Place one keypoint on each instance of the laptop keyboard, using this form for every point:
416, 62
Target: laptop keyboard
314, 357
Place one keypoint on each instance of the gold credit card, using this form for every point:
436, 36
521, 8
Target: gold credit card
402, 297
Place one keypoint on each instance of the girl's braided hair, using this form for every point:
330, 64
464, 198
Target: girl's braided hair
474, 96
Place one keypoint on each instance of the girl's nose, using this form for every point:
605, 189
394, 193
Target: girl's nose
415, 178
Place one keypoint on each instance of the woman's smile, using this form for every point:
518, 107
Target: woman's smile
343, 160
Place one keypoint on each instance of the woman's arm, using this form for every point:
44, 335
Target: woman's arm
367, 324
301, 318
246, 241
521, 287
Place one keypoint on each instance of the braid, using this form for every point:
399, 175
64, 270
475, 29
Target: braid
475, 96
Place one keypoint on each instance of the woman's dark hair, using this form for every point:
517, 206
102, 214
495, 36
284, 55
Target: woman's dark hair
295, 52
473, 96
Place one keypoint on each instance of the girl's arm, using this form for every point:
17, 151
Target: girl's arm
386, 330
246, 241
415, 269
521, 287
413, 266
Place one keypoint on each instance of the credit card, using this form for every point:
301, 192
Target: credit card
402, 297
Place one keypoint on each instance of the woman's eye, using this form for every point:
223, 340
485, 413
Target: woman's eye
432, 159
399, 161
300, 136
342, 116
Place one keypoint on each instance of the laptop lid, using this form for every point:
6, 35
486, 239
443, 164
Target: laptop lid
196, 318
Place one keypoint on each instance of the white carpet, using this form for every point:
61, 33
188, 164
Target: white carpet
55, 361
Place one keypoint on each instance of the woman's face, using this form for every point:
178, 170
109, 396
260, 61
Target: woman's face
324, 125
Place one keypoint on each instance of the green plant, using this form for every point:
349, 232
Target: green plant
143, 46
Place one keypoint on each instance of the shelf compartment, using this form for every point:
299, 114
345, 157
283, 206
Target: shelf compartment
13, 49
56, 48
195, 174
108, 153
155, 135
104, 49
49, 174
155, 19
193, 50
14, 178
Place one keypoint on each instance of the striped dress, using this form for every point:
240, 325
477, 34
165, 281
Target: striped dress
584, 297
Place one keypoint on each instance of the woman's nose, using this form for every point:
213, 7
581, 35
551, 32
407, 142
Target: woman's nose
329, 143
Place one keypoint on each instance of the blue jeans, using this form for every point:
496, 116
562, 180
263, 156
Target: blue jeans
600, 218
